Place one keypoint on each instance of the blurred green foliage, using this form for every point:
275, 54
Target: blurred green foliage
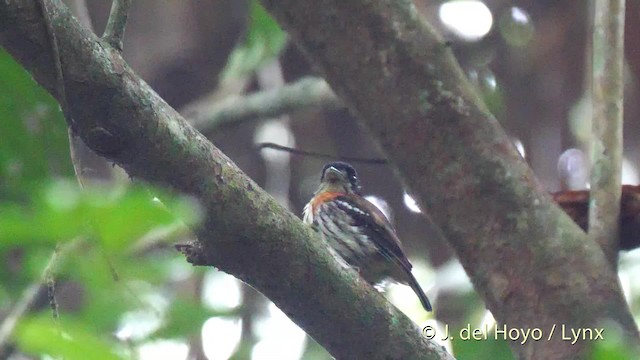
104, 279
263, 42
612, 346
488, 348
114, 216
34, 137
71, 341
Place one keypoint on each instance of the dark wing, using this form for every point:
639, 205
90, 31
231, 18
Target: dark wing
368, 216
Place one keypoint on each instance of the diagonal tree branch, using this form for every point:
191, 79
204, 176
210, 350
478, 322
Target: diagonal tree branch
246, 233
404, 84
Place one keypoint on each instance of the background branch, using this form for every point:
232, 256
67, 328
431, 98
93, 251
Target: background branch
305, 94
245, 232
606, 147
114, 31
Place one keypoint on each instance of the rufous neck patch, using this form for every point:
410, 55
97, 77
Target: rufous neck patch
324, 197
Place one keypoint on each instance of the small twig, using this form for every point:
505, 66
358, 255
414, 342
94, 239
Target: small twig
268, 145
50, 281
89, 167
606, 149
29, 295
195, 287
305, 94
160, 236
114, 32
61, 93
253, 305
55, 55
78, 150
19, 309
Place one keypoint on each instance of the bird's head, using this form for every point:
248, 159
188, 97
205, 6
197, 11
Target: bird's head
339, 177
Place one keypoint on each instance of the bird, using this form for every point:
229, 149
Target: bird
358, 232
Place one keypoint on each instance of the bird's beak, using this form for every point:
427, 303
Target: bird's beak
332, 174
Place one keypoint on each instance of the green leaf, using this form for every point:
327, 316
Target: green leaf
40, 336
128, 216
117, 216
34, 142
264, 41
103, 297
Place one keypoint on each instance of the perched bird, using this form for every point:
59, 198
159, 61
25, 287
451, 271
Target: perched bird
357, 230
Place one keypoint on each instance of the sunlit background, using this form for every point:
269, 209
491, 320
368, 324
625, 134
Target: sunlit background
529, 60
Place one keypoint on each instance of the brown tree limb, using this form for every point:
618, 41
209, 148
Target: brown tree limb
533, 266
606, 145
245, 232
